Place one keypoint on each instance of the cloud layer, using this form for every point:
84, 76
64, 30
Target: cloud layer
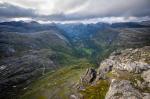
64, 10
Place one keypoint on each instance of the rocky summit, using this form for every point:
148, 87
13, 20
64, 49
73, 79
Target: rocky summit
125, 74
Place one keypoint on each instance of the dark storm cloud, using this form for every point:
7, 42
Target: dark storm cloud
11, 11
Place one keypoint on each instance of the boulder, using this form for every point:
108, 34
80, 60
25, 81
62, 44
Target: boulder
89, 76
122, 89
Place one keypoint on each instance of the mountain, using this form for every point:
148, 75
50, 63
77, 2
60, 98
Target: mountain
37, 59
21, 26
92, 40
27, 55
15, 43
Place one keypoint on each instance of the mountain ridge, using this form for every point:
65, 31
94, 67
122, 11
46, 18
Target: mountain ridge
32, 50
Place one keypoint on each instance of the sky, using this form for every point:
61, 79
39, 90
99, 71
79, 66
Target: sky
75, 10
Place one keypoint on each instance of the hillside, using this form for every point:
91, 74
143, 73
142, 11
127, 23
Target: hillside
41, 61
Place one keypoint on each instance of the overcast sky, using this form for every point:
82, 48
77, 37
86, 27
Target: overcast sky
74, 10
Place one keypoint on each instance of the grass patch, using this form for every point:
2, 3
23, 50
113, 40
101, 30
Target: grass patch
56, 84
97, 91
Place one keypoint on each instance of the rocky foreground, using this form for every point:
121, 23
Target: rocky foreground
124, 75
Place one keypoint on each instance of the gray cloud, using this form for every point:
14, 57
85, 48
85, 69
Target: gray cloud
118, 8
11, 11
59, 10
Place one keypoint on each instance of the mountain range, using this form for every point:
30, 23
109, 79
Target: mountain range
36, 55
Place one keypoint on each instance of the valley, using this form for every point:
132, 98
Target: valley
45, 61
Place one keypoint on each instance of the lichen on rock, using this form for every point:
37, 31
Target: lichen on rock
127, 73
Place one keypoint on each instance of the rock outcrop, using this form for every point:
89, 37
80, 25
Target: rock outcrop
128, 74
89, 76
122, 89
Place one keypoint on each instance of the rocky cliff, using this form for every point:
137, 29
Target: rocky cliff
124, 75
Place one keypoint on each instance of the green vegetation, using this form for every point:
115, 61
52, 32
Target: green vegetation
97, 91
59, 83
66, 51
50, 84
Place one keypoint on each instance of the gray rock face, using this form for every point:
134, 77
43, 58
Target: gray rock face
122, 89
105, 68
146, 95
129, 60
89, 76
135, 61
136, 67
128, 72
87, 79
146, 75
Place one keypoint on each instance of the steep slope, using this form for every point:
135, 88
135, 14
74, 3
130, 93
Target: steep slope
80, 37
14, 42
96, 40
125, 37
111, 39
25, 57
25, 27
